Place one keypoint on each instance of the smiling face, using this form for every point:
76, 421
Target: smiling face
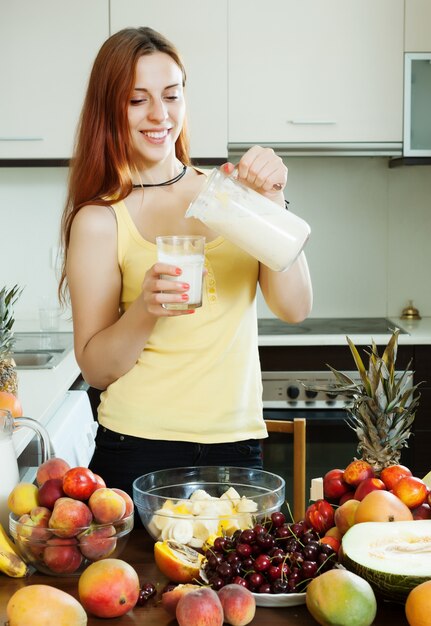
156, 109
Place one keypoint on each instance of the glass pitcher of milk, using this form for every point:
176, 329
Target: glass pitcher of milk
264, 229
9, 473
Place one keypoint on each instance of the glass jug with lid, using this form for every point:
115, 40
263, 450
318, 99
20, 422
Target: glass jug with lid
9, 473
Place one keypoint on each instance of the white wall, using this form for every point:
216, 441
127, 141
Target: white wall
369, 251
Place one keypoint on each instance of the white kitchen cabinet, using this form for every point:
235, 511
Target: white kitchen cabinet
46, 52
417, 35
315, 72
198, 28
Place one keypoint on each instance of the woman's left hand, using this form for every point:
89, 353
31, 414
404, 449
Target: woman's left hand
262, 170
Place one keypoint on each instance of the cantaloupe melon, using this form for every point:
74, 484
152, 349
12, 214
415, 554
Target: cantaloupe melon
393, 557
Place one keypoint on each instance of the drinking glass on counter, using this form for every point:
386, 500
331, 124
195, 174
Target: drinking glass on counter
188, 253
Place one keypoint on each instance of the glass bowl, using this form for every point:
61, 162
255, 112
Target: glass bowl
193, 504
48, 551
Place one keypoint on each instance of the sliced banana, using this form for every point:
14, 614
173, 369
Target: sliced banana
246, 506
181, 531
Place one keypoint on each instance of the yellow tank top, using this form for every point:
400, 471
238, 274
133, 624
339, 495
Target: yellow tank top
198, 378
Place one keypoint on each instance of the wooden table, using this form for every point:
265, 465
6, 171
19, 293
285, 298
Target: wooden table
139, 553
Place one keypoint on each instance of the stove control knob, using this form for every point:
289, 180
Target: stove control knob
331, 395
292, 392
310, 393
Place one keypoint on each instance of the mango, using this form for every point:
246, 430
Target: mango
341, 597
43, 605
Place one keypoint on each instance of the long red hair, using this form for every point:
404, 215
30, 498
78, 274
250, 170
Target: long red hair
101, 165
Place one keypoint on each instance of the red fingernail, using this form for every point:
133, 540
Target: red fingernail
186, 286
190, 311
184, 296
178, 271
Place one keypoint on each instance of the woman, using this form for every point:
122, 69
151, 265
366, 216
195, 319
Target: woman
181, 387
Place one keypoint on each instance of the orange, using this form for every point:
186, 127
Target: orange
178, 562
418, 605
11, 403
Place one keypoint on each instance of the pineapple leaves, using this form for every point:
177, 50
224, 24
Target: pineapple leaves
359, 364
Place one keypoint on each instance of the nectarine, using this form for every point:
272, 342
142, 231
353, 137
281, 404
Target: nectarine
238, 603
52, 468
200, 607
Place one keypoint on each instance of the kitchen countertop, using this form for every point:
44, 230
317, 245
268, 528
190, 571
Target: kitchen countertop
139, 553
418, 332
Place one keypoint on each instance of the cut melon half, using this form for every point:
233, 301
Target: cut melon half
393, 557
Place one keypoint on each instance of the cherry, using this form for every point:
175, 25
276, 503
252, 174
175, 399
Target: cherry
244, 550
262, 562
239, 580
279, 586
274, 572
219, 544
265, 588
278, 519
309, 569
255, 579
224, 570
247, 536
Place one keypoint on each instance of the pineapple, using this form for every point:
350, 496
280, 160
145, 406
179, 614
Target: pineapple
8, 375
383, 405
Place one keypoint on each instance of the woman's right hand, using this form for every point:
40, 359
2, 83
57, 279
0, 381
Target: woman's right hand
158, 291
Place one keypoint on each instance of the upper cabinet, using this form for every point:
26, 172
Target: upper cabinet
418, 26
198, 29
46, 52
315, 72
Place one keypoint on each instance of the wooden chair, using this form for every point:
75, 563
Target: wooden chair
295, 427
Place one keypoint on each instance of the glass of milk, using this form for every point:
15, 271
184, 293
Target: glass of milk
188, 253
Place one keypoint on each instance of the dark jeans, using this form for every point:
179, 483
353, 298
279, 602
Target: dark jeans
119, 459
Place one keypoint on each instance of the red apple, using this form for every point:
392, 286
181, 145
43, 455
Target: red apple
50, 491
367, 485
350, 495
334, 486
79, 483
100, 481
392, 474
411, 490
357, 471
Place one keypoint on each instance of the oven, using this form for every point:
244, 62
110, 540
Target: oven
290, 367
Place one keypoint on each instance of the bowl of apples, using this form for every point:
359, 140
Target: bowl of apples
69, 519
190, 505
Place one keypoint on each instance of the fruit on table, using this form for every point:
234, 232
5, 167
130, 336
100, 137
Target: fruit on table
341, 597
176, 561
200, 607
171, 597
392, 556
23, 498
79, 483
52, 468
43, 605
366, 486
127, 499
320, 516
411, 490
11, 563
50, 491
238, 604
69, 516
357, 471
334, 485
98, 542
34, 532
10, 402
382, 506
418, 605
392, 474
109, 588
268, 559
62, 555
344, 515
106, 505
423, 511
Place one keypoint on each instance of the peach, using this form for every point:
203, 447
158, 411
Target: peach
367, 485
127, 499
411, 490
357, 471
33, 605
23, 498
171, 598
52, 468
98, 542
34, 531
200, 607
392, 474
334, 532
50, 491
79, 483
62, 555
344, 516
69, 517
238, 603
108, 588
177, 562
106, 505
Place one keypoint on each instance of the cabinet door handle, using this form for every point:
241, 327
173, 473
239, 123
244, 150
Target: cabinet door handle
21, 138
311, 122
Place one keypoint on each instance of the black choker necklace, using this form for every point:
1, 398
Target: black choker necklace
166, 183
